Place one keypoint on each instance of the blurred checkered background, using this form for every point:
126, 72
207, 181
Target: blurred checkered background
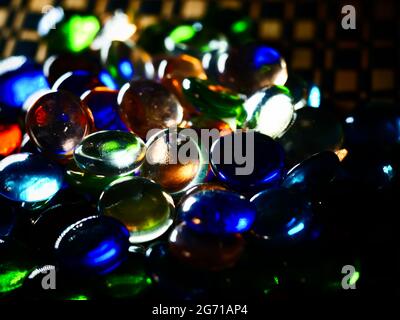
350, 66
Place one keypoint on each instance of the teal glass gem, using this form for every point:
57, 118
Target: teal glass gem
270, 111
213, 100
26, 177
110, 153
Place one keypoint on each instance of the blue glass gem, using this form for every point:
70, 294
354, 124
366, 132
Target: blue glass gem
96, 244
254, 161
30, 178
251, 67
78, 82
102, 101
313, 173
217, 212
282, 216
19, 78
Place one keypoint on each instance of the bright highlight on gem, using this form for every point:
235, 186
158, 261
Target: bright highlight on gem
296, 229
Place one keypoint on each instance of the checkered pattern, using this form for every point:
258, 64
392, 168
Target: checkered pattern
350, 66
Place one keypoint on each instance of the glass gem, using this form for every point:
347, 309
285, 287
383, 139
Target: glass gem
142, 205
205, 251
282, 216
96, 244
126, 62
252, 67
313, 173
78, 82
264, 165
102, 101
57, 65
217, 212
30, 178
313, 131
213, 100
110, 153
10, 139
195, 39
57, 122
168, 164
19, 78
270, 111
146, 105
74, 34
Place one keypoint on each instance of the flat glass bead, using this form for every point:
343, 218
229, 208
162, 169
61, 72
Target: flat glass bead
57, 122
217, 212
126, 62
313, 173
267, 161
270, 111
252, 67
282, 216
78, 82
19, 78
74, 33
146, 105
10, 139
142, 205
102, 101
213, 100
205, 251
96, 244
110, 153
163, 166
313, 131
151, 38
30, 178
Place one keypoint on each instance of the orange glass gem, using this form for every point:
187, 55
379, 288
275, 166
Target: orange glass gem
10, 139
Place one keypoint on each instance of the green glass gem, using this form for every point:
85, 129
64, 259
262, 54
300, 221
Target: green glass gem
79, 32
11, 278
77, 297
110, 153
240, 26
182, 33
141, 204
214, 101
